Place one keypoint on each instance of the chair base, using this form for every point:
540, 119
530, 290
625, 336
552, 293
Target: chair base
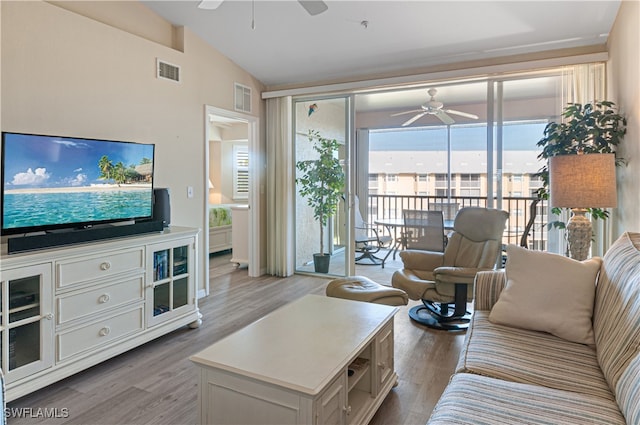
374, 261
444, 316
421, 314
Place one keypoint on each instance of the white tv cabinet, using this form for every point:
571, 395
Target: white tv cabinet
66, 309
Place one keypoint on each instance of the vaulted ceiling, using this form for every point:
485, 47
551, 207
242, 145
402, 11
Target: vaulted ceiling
281, 44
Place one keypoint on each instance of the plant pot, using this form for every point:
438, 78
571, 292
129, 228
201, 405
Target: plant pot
321, 263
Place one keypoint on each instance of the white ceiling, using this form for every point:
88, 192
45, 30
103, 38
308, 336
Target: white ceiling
288, 46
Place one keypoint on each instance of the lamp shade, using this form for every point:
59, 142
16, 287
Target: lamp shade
583, 181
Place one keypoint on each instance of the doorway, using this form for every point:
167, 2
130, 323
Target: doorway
231, 201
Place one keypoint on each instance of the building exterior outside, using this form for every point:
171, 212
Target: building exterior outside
431, 173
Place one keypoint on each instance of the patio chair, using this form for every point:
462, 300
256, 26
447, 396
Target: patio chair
423, 230
449, 209
368, 240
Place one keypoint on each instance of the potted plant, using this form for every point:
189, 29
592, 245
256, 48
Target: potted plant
322, 183
590, 128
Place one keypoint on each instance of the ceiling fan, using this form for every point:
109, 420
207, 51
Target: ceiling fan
313, 7
433, 107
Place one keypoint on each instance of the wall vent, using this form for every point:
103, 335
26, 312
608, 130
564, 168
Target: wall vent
242, 98
167, 71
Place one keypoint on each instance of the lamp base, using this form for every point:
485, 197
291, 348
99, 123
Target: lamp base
579, 234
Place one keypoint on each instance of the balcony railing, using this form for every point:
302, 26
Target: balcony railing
519, 209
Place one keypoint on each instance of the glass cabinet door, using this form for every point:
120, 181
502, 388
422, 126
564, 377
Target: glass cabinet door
26, 321
180, 294
171, 274
161, 288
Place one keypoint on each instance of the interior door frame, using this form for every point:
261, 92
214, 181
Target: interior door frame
253, 200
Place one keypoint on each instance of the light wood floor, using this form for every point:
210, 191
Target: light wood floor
157, 384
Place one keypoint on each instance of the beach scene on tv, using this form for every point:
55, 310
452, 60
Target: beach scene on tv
57, 180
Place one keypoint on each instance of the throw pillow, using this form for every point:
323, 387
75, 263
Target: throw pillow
548, 292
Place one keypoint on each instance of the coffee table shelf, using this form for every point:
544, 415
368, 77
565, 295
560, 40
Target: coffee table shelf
360, 366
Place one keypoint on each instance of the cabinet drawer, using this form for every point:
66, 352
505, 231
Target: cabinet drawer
100, 332
88, 268
93, 301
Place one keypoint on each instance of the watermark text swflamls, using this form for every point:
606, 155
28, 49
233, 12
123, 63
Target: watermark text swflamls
36, 412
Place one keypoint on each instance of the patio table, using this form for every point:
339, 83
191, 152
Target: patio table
392, 225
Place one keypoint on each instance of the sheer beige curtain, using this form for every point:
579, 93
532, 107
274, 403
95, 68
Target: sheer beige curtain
583, 84
280, 177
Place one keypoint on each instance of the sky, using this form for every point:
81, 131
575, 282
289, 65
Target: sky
33, 161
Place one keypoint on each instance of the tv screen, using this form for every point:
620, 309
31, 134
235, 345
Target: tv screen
51, 182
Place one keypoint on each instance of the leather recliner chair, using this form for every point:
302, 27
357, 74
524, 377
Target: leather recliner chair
444, 280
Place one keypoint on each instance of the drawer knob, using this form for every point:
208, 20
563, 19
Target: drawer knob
104, 298
105, 265
382, 365
105, 331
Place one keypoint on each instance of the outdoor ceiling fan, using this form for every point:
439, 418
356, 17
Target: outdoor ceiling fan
433, 107
313, 7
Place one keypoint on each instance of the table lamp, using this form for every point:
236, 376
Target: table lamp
579, 182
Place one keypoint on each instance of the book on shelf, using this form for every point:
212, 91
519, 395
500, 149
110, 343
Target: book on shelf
357, 365
160, 263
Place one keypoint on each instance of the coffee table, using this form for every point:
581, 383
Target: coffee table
317, 360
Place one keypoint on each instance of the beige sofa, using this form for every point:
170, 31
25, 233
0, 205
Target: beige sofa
513, 375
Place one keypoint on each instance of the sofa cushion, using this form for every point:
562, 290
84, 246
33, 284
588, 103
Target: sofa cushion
530, 357
548, 292
473, 399
616, 316
628, 392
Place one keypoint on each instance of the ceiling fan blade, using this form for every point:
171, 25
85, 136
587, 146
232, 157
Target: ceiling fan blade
444, 117
314, 7
414, 119
406, 112
462, 114
210, 4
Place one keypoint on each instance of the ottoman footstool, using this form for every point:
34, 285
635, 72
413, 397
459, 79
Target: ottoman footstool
361, 288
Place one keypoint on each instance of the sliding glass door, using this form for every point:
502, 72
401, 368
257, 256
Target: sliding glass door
322, 133
488, 161
523, 107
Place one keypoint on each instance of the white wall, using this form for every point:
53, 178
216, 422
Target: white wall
623, 72
66, 74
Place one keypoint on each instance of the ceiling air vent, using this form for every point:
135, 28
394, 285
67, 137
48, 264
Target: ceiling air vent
242, 98
168, 71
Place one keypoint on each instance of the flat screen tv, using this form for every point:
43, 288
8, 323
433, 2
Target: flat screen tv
52, 182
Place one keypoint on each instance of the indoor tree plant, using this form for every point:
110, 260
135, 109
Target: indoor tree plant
322, 183
590, 128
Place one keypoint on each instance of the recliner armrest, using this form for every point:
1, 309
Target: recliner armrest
421, 260
488, 286
464, 275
